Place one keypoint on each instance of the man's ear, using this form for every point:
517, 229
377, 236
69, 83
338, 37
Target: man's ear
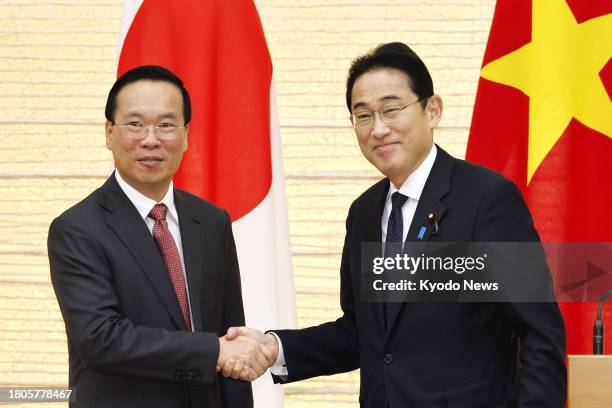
186, 137
433, 110
108, 131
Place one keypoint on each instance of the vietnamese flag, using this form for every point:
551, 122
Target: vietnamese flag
219, 50
543, 118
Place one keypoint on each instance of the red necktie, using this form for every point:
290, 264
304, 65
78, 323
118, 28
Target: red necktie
169, 251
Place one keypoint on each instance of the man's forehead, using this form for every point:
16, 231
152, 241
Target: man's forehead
149, 82
145, 91
380, 86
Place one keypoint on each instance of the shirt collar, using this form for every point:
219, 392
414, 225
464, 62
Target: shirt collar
144, 204
415, 183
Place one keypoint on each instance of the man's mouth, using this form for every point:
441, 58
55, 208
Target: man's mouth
150, 161
385, 146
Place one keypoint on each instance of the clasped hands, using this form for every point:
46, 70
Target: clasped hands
246, 353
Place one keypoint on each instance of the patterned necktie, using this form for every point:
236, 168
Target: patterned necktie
170, 254
395, 237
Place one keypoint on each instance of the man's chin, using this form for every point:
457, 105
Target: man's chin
151, 180
386, 168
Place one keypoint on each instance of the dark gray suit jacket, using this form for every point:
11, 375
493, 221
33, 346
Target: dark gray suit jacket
127, 341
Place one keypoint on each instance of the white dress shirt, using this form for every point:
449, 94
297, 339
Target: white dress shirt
412, 188
144, 205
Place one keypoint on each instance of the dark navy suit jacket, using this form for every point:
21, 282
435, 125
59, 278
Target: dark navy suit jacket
439, 355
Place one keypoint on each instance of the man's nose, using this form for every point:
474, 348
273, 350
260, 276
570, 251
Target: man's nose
379, 127
151, 137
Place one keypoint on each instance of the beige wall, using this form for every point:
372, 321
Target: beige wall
57, 62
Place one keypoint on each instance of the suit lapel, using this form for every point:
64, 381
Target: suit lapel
436, 187
193, 254
376, 205
427, 203
131, 229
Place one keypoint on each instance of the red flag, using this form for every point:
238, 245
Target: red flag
218, 49
543, 118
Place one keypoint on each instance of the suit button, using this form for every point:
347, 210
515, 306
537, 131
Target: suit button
388, 359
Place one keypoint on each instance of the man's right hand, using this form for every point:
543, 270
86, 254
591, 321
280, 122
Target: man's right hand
246, 353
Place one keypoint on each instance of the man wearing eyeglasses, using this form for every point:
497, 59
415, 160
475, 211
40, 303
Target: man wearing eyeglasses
434, 355
146, 276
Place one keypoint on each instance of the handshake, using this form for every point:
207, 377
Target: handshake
246, 353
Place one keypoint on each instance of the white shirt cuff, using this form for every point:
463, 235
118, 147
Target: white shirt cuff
280, 367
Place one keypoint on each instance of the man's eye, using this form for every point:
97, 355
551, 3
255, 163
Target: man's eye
134, 125
166, 125
363, 116
391, 111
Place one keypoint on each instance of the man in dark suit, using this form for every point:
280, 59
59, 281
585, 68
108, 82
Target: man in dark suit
433, 355
146, 276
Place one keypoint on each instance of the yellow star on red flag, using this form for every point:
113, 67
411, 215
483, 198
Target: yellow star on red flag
559, 72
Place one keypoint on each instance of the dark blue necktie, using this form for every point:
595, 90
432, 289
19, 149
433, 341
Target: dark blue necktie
393, 242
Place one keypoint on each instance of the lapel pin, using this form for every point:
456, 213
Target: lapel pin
432, 218
422, 232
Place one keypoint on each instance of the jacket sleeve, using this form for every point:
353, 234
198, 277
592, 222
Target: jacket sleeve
331, 347
504, 217
105, 340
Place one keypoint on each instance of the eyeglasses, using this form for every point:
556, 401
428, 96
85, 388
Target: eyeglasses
164, 130
388, 114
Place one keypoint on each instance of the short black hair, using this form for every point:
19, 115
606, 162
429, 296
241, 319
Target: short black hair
148, 72
395, 55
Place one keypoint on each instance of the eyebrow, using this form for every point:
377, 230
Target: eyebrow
383, 99
168, 115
